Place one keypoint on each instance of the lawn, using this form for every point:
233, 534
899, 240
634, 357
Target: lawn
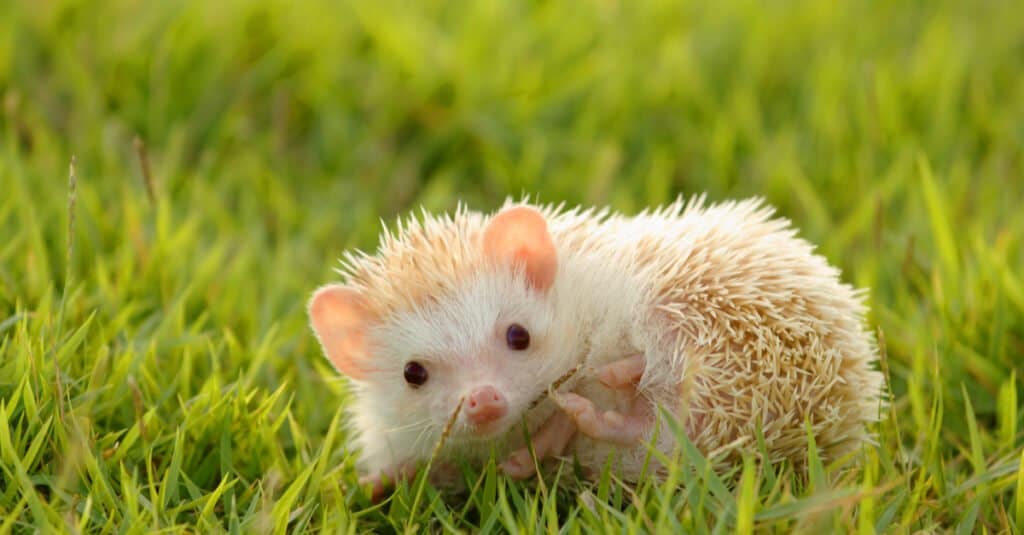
156, 368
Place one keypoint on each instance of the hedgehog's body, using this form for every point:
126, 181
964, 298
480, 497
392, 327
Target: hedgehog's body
740, 326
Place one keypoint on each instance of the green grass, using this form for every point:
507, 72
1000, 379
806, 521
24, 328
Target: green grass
159, 373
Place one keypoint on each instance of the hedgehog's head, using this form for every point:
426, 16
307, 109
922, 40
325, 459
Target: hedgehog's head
490, 335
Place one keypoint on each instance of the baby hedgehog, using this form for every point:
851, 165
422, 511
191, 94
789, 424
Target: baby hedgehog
718, 314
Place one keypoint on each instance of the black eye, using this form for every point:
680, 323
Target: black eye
517, 337
415, 374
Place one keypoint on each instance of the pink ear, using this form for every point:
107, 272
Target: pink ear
520, 235
340, 318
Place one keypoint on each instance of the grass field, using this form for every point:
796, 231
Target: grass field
156, 369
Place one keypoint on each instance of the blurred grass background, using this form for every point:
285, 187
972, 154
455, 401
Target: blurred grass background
162, 375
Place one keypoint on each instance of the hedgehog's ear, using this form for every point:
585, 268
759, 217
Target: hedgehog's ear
520, 234
341, 318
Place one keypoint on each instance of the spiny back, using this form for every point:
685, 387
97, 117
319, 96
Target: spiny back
422, 259
430, 256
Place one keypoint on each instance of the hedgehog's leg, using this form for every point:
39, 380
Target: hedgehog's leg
607, 426
381, 482
443, 474
550, 440
622, 374
554, 435
612, 426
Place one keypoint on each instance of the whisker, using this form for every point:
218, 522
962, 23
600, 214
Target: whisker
409, 426
422, 436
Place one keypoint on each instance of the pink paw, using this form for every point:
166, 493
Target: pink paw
606, 426
519, 465
381, 483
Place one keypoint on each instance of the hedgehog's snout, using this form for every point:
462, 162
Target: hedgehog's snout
485, 405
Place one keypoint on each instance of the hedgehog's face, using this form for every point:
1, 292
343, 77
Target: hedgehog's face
492, 342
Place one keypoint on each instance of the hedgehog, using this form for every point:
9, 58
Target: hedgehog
715, 318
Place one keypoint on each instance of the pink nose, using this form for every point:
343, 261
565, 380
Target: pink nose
485, 405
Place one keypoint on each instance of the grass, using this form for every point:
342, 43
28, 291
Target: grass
156, 370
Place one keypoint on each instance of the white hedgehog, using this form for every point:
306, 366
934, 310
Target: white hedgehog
718, 314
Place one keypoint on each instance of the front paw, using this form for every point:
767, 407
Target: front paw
519, 465
623, 374
381, 483
607, 426
550, 440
